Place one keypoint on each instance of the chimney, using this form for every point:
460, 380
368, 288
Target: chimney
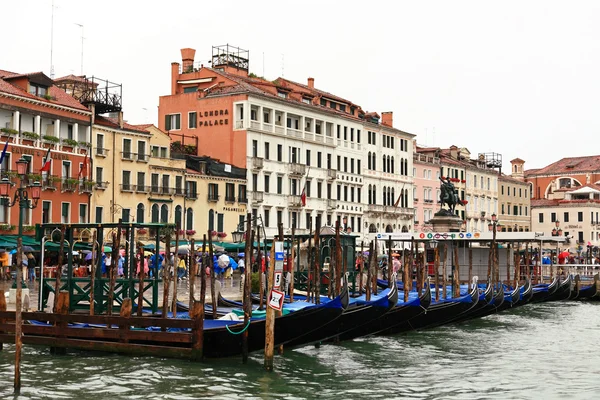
387, 118
120, 119
311, 83
187, 58
174, 77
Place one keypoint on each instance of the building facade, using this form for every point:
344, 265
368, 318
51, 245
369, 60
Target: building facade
292, 139
426, 196
39, 120
565, 198
514, 211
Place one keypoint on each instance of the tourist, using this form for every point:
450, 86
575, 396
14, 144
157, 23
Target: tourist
241, 266
31, 266
107, 262
120, 266
181, 268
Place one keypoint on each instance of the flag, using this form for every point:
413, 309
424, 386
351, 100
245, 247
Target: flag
83, 170
4, 152
46, 165
398, 201
303, 195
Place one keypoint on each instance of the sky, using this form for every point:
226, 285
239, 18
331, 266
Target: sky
519, 78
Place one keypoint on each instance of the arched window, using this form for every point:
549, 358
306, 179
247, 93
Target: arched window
373, 163
372, 228
405, 167
384, 164
211, 220
370, 185
139, 216
369, 160
178, 217
164, 214
388, 229
392, 170
404, 229
384, 196
393, 201
374, 194
189, 219
155, 213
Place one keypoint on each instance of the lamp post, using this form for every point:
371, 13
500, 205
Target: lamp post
21, 197
493, 227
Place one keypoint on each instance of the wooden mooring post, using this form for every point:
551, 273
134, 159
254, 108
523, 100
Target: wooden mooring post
470, 264
436, 264
175, 273
444, 272
213, 295
370, 262
142, 275
270, 317
61, 253
2, 308
93, 271
247, 300
166, 274
192, 271
197, 316
292, 264
456, 274
18, 317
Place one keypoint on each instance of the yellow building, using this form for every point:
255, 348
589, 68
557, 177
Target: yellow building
515, 205
139, 180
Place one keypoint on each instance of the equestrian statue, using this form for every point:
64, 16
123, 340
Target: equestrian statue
448, 196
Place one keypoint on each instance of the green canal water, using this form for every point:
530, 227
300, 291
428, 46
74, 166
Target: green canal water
544, 351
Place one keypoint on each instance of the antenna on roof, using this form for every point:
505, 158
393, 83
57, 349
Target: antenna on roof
52, 41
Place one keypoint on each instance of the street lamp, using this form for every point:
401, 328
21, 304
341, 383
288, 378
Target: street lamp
22, 198
493, 227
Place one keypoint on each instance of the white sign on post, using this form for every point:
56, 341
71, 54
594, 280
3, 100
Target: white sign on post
277, 282
276, 300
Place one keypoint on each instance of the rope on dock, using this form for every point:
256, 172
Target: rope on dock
240, 332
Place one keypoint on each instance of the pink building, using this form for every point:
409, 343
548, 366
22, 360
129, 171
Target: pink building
426, 193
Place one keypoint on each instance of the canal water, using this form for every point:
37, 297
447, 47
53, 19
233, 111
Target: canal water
540, 351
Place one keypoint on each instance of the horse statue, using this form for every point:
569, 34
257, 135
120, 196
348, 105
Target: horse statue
448, 195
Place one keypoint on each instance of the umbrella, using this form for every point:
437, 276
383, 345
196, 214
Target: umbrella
148, 253
223, 261
86, 252
2, 251
395, 255
27, 249
242, 255
564, 254
107, 249
88, 256
183, 251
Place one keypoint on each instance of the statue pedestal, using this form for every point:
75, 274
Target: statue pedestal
446, 223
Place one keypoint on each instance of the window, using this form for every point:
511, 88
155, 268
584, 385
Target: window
165, 184
189, 218
164, 214
229, 191
328, 161
339, 163
541, 217
279, 184
192, 120
99, 175
308, 186
280, 152
308, 158
126, 185
125, 212
254, 182
191, 189
266, 217
308, 220
213, 191
267, 182
38, 90
179, 185
266, 150
139, 214
155, 213
266, 117
566, 217
255, 148
172, 122
46, 211
279, 217
141, 181
190, 89
242, 193
282, 95
154, 183
178, 217
552, 217
66, 169
127, 149
98, 215
65, 212
580, 218
319, 189
220, 222
211, 220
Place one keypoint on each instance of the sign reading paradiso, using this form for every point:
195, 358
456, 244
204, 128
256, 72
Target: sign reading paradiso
207, 118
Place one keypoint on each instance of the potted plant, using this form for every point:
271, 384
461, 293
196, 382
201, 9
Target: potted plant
50, 139
30, 135
6, 227
221, 235
8, 133
70, 143
34, 177
142, 231
28, 228
213, 234
190, 232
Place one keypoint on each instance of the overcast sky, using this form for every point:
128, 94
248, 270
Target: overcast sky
518, 78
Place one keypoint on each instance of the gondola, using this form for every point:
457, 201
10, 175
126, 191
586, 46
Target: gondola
542, 291
223, 339
441, 312
400, 313
360, 312
563, 291
511, 299
486, 303
586, 292
492, 307
526, 293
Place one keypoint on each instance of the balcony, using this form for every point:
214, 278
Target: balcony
229, 199
101, 152
294, 201
191, 195
179, 191
142, 157
161, 190
127, 155
331, 204
86, 187
50, 183
101, 185
69, 185
142, 189
428, 201
257, 197
331, 174
375, 208
297, 169
255, 125
257, 163
239, 124
213, 197
243, 200
127, 187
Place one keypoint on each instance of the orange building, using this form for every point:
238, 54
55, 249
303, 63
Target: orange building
37, 116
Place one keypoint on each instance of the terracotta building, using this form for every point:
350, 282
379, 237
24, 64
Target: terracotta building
37, 116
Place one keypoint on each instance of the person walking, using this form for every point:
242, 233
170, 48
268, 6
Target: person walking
31, 265
181, 268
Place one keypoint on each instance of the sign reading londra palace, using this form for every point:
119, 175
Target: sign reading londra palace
33, 152
213, 122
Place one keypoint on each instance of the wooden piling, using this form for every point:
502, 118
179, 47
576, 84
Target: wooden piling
489, 270
125, 312
175, 273
390, 262
370, 261
247, 300
291, 264
18, 317
412, 262
192, 272
213, 295
309, 269
261, 277
374, 273
444, 272
197, 316
272, 266
2, 308
508, 248
62, 308
112, 272
406, 274
338, 259
517, 259
93, 271
456, 274
142, 275
166, 274
61, 253
470, 265
317, 261
270, 316
436, 263
361, 263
